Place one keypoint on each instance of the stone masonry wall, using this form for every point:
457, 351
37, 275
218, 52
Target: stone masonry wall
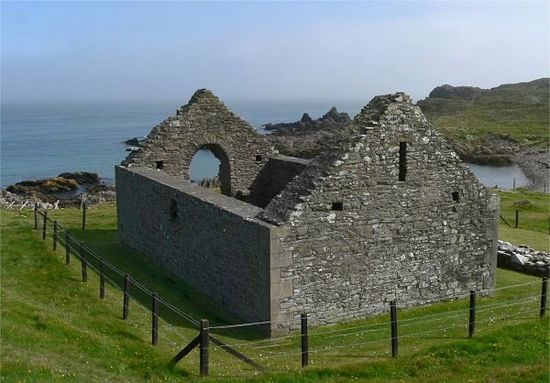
274, 177
205, 123
211, 241
425, 239
342, 234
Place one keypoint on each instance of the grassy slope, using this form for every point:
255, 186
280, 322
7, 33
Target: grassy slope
520, 111
55, 329
534, 218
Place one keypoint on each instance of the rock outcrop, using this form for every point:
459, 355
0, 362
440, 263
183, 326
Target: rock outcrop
329, 121
308, 138
66, 189
524, 259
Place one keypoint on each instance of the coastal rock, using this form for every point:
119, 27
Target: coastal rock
82, 178
308, 137
535, 165
44, 186
133, 142
329, 121
306, 119
66, 189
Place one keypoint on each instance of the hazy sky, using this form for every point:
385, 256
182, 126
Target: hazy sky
268, 51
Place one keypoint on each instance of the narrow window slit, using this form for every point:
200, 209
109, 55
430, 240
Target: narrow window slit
173, 209
402, 161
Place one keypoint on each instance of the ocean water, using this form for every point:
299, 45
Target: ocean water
44, 140
504, 177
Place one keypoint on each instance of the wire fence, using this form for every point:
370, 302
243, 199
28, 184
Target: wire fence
295, 349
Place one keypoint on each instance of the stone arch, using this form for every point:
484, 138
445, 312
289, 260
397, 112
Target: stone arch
220, 153
205, 122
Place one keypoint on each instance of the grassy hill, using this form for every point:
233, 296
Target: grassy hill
489, 125
55, 329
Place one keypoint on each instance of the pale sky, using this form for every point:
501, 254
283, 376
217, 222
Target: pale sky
67, 51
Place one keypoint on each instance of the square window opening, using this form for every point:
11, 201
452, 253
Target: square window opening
258, 157
159, 164
337, 206
456, 196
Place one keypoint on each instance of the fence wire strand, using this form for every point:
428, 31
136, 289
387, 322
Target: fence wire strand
74, 245
64, 238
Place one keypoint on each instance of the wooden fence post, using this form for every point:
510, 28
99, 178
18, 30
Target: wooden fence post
514, 184
472, 318
543, 297
83, 263
126, 299
44, 226
305, 343
101, 279
54, 235
36, 216
154, 320
84, 216
517, 218
204, 348
394, 339
67, 248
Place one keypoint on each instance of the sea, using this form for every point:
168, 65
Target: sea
42, 140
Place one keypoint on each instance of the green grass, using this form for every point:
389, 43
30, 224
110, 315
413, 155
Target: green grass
519, 111
534, 218
54, 327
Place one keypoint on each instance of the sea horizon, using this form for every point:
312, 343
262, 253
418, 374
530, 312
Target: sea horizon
43, 139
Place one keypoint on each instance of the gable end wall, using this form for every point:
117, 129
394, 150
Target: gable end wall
405, 241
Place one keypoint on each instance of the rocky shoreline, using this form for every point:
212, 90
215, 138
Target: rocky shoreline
65, 190
535, 164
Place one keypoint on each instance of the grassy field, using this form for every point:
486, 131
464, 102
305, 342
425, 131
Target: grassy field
54, 327
518, 111
534, 218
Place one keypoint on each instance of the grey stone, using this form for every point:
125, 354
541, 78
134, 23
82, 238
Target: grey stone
336, 237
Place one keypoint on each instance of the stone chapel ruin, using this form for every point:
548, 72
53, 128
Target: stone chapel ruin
390, 213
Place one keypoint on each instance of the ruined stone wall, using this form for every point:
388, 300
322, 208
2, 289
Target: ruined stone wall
274, 177
205, 123
357, 237
211, 241
341, 235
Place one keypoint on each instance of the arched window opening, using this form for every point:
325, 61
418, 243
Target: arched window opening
210, 169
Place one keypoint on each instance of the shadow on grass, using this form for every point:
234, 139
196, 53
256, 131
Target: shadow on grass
104, 243
128, 334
